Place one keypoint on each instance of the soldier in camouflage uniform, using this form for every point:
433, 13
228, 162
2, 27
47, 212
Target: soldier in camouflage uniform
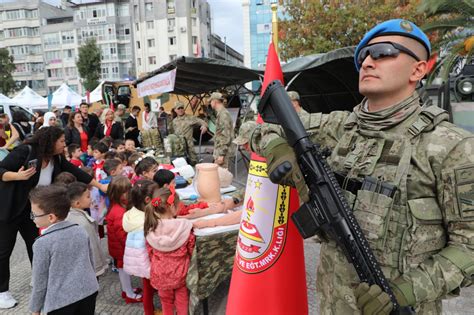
223, 146
183, 125
295, 101
423, 235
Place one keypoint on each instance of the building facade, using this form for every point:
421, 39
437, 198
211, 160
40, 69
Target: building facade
110, 24
134, 36
220, 50
166, 29
257, 28
20, 25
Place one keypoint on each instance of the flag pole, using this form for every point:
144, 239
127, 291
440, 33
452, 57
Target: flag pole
275, 27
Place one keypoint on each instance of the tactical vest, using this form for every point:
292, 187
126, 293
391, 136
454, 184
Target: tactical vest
401, 232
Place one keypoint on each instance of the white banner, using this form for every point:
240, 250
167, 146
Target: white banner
160, 83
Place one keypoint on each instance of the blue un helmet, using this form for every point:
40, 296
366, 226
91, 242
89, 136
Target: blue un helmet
394, 27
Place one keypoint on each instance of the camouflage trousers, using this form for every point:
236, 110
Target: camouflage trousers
193, 158
230, 153
336, 280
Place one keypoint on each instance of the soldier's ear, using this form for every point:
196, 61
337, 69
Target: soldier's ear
419, 70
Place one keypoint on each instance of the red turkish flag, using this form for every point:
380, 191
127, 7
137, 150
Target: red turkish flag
269, 274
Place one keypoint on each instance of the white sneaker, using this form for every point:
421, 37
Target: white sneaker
7, 300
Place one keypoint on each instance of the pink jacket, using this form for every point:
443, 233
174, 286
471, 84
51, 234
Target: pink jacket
170, 247
135, 260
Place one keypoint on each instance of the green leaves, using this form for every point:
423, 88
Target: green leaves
7, 67
452, 24
88, 64
319, 26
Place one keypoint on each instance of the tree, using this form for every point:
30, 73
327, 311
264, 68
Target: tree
88, 64
320, 26
452, 33
7, 84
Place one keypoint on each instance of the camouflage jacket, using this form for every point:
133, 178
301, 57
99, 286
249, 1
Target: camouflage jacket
425, 232
224, 133
183, 125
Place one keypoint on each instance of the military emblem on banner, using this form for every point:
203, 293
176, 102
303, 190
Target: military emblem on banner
264, 223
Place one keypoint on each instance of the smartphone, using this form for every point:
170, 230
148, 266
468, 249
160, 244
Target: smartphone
33, 163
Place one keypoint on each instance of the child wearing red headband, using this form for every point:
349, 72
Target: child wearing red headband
170, 244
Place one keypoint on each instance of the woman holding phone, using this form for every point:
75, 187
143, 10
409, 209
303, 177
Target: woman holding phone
35, 163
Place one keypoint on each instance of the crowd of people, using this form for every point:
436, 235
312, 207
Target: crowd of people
421, 234
83, 169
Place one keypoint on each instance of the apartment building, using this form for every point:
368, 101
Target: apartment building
166, 29
110, 24
220, 50
20, 25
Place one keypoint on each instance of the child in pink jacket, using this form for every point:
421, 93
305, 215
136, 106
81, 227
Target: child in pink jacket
135, 260
170, 244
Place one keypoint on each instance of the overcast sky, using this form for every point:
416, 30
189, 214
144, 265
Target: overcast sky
227, 21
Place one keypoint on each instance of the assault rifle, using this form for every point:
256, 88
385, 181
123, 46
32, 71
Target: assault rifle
327, 210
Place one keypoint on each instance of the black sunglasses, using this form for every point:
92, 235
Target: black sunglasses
382, 50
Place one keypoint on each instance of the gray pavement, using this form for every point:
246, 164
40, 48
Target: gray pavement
110, 302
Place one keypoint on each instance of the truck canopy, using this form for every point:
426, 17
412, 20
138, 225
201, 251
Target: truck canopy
325, 82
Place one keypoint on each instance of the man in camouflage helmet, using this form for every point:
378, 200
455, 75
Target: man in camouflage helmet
295, 101
423, 234
223, 147
183, 125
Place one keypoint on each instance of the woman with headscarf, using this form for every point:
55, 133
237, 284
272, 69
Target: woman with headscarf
108, 126
49, 120
35, 163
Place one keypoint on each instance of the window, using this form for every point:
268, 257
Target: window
151, 43
139, 61
149, 7
70, 72
31, 14
68, 37
127, 31
172, 57
94, 13
137, 27
150, 25
135, 10
195, 39
13, 14
69, 54
20, 67
172, 40
52, 56
122, 9
138, 44
37, 67
171, 22
152, 60
113, 50
55, 73
194, 21
170, 6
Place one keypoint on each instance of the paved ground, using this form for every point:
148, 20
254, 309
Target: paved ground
109, 301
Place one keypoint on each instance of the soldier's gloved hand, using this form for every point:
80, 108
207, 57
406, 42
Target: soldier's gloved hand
283, 167
372, 300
